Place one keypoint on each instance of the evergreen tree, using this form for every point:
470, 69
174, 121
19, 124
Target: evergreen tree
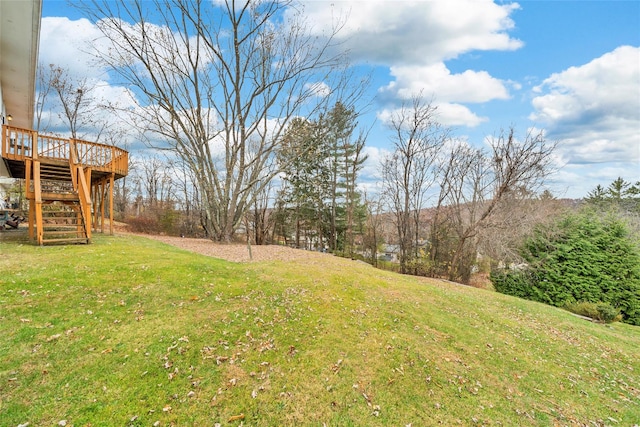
584, 257
304, 153
619, 195
321, 161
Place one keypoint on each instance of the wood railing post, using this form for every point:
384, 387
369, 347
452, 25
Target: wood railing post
30, 197
34, 144
4, 150
37, 191
111, 185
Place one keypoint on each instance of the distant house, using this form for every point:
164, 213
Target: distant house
389, 253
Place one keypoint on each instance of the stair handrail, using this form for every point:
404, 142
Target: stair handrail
80, 185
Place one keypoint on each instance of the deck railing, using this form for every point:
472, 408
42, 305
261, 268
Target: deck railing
18, 143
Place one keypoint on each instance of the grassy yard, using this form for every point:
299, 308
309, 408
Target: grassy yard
129, 331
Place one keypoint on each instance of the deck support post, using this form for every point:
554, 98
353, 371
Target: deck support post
37, 191
111, 188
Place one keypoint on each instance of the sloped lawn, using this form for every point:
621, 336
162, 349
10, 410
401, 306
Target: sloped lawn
130, 331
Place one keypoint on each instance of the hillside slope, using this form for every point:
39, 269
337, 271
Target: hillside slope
130, 331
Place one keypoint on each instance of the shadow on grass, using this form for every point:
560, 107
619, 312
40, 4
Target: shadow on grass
17, 235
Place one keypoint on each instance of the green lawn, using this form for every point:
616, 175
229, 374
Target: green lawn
129, 331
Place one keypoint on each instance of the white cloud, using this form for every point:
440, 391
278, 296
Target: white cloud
450, 114
320, 89
447, 114
593, 110
64, 42
469, 86
409, 32
575, 181
414, 38
371, 172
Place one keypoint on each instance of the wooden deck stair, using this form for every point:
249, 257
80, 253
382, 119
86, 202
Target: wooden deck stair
61, 176
62, 212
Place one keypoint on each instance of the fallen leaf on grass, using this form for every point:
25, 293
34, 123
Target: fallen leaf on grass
367, 398
266, 345
173, 374
236, 418
376, 411
53, 337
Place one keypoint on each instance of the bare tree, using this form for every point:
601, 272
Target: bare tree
123, 191
373, 226
501, 238
218, 83
478, 184
43, 89
74, 102
410, 171
260, 222
151, 176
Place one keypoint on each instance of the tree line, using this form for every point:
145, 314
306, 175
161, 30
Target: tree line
440, 202
251, 123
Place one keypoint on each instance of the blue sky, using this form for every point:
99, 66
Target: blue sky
571, 68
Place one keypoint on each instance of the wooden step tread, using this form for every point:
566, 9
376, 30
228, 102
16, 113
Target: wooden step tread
60, 215
62, 224
70, 229
75, 240
61, 197
44, 171
63, 213
52, 161
79, 234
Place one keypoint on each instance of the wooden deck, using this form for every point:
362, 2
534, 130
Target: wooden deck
20, 145
74, 174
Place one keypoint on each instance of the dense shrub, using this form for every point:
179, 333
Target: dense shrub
581, 258
143, 224
519, 283
601, 312
158, 221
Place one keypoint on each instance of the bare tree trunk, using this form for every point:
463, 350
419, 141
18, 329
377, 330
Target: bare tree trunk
410, 171
207, 87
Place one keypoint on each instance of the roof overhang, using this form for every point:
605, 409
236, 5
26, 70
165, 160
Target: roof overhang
19, 39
